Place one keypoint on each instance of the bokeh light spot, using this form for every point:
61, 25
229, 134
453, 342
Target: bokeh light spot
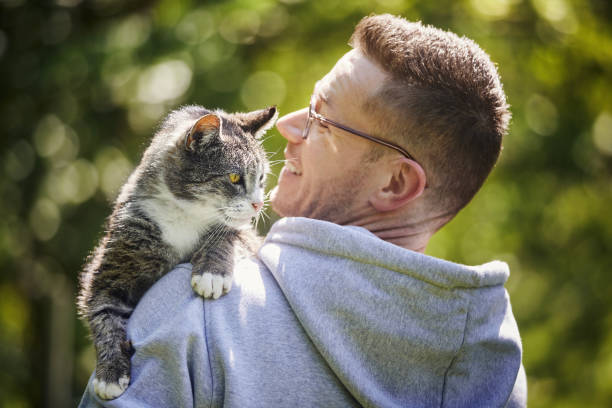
113, 168
44, 219
552, 10
240, 26
274, 22
143, 117
165, 81
263, 88
214, 51
541, 115
602, 133
19, 161
493, 9
73, 183
50, 136
55, 140
131, 32
195, 27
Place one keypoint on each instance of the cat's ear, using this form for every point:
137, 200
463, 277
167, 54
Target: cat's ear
206, 127
259, 121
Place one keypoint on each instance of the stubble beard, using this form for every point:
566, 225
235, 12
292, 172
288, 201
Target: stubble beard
337, 204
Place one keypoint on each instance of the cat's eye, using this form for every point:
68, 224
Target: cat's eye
234, 178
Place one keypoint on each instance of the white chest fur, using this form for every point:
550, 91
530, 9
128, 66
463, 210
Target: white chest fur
182, 222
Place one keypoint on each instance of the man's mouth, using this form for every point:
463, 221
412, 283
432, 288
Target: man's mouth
289, 166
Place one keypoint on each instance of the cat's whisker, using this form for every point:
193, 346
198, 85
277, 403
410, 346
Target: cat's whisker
263, 215
275, 162
274, 174
270, 154
211, 234
266, 138
257, 221
218, 233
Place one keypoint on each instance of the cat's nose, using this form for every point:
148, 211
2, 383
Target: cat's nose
257, 206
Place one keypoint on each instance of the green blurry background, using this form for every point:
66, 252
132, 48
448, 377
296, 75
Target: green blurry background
84, 83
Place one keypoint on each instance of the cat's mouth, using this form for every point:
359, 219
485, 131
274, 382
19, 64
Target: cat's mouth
240, 223
292, 168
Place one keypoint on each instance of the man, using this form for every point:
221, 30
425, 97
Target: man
340, 307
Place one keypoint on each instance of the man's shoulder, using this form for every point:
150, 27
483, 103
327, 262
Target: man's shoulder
172, 305
170, 297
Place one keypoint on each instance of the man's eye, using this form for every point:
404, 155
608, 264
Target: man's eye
234, 178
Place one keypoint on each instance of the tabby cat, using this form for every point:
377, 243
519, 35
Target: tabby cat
191, 199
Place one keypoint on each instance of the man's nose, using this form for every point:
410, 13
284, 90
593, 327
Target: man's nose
292, 125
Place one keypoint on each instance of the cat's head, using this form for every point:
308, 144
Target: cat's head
219, 162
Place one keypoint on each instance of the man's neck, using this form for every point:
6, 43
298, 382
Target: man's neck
404, 231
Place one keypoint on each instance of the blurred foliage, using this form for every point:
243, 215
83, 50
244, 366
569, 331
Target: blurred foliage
84, 84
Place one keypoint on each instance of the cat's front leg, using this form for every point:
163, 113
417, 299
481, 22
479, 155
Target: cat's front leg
113, 352
213, 264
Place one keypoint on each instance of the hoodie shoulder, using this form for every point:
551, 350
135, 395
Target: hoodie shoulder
486, 369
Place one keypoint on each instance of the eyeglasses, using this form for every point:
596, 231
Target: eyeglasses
313, 115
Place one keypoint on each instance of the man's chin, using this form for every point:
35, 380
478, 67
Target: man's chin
277, 202
282, 208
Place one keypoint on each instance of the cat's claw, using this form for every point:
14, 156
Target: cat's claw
210, 285
110, 390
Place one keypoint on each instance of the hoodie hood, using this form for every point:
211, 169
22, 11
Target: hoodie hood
388, 321
360, 245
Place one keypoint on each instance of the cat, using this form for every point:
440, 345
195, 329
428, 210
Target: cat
191, 199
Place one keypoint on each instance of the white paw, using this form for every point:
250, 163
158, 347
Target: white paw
110, 390
211, 286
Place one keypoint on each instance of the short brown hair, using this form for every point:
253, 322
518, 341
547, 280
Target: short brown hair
443, 101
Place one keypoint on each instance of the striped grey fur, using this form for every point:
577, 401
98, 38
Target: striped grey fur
178, 205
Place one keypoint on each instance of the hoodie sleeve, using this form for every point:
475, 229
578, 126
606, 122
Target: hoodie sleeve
170, 366
487, 371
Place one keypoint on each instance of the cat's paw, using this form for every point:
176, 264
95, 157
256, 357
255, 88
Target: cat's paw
210, 285
110, 390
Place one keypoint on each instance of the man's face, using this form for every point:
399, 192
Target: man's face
326, 176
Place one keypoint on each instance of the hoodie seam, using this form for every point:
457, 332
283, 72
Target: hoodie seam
379, 265
446, 373
206, 340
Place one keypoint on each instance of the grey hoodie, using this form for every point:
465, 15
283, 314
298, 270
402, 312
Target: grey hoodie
328, 316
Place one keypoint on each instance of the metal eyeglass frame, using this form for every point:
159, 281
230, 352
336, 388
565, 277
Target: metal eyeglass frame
312, 115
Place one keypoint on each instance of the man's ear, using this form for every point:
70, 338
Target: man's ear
203, 130
405, 182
